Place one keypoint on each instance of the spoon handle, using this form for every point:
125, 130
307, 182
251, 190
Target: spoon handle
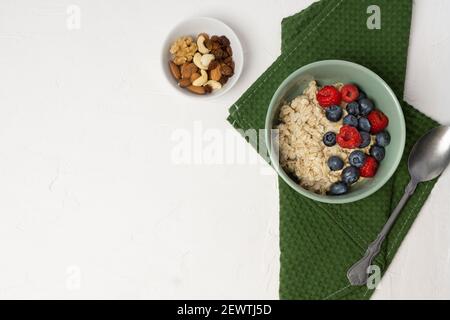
358, 273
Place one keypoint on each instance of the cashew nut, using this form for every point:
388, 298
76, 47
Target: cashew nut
215, 85
200, 81
197, 61
206, 59
201, 44
203, 61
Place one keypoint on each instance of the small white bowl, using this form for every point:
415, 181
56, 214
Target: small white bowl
193, 27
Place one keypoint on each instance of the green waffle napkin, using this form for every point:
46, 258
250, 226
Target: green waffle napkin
319, 242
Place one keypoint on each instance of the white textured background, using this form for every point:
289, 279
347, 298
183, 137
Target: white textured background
91, 205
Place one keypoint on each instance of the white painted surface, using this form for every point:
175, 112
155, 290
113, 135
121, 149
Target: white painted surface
91, 205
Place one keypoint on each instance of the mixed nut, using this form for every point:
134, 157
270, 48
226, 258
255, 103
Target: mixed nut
201, 66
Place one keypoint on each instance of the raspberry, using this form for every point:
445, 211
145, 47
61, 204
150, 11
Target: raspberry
369, 168
378, 121
349, 93
328, 96
349, 137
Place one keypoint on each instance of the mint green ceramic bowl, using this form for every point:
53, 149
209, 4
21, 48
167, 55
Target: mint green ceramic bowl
329, 72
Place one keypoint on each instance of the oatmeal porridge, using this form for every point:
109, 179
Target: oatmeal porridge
303, 154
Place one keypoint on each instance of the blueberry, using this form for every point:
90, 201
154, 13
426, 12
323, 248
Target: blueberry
377, 152
335, 163
383, 138
364, 124
350, 175
357, 158
351, 120
333, 113
366, 139
329, 139
365, 106
362, 95
338, 189
353, 108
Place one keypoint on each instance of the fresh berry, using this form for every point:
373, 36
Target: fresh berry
329, 139
383, 138
364, 124
377, 152
378, 121
328, 96
366, 139
349, 93
362, 95
334, 113
350, 175
357, 158
348, 137
353, 108
335, 163
350, 120
365, 106
338, 188
369, 168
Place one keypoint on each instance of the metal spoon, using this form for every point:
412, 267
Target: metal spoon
427, 160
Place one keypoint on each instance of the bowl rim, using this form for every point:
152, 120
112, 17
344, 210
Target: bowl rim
324, 198
237, 48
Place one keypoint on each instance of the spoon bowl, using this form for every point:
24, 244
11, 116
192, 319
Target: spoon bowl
430, 155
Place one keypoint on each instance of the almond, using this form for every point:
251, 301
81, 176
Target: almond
184, 83
197, 90
188, 70
216, 73
195, 76
183, 66
175, 70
